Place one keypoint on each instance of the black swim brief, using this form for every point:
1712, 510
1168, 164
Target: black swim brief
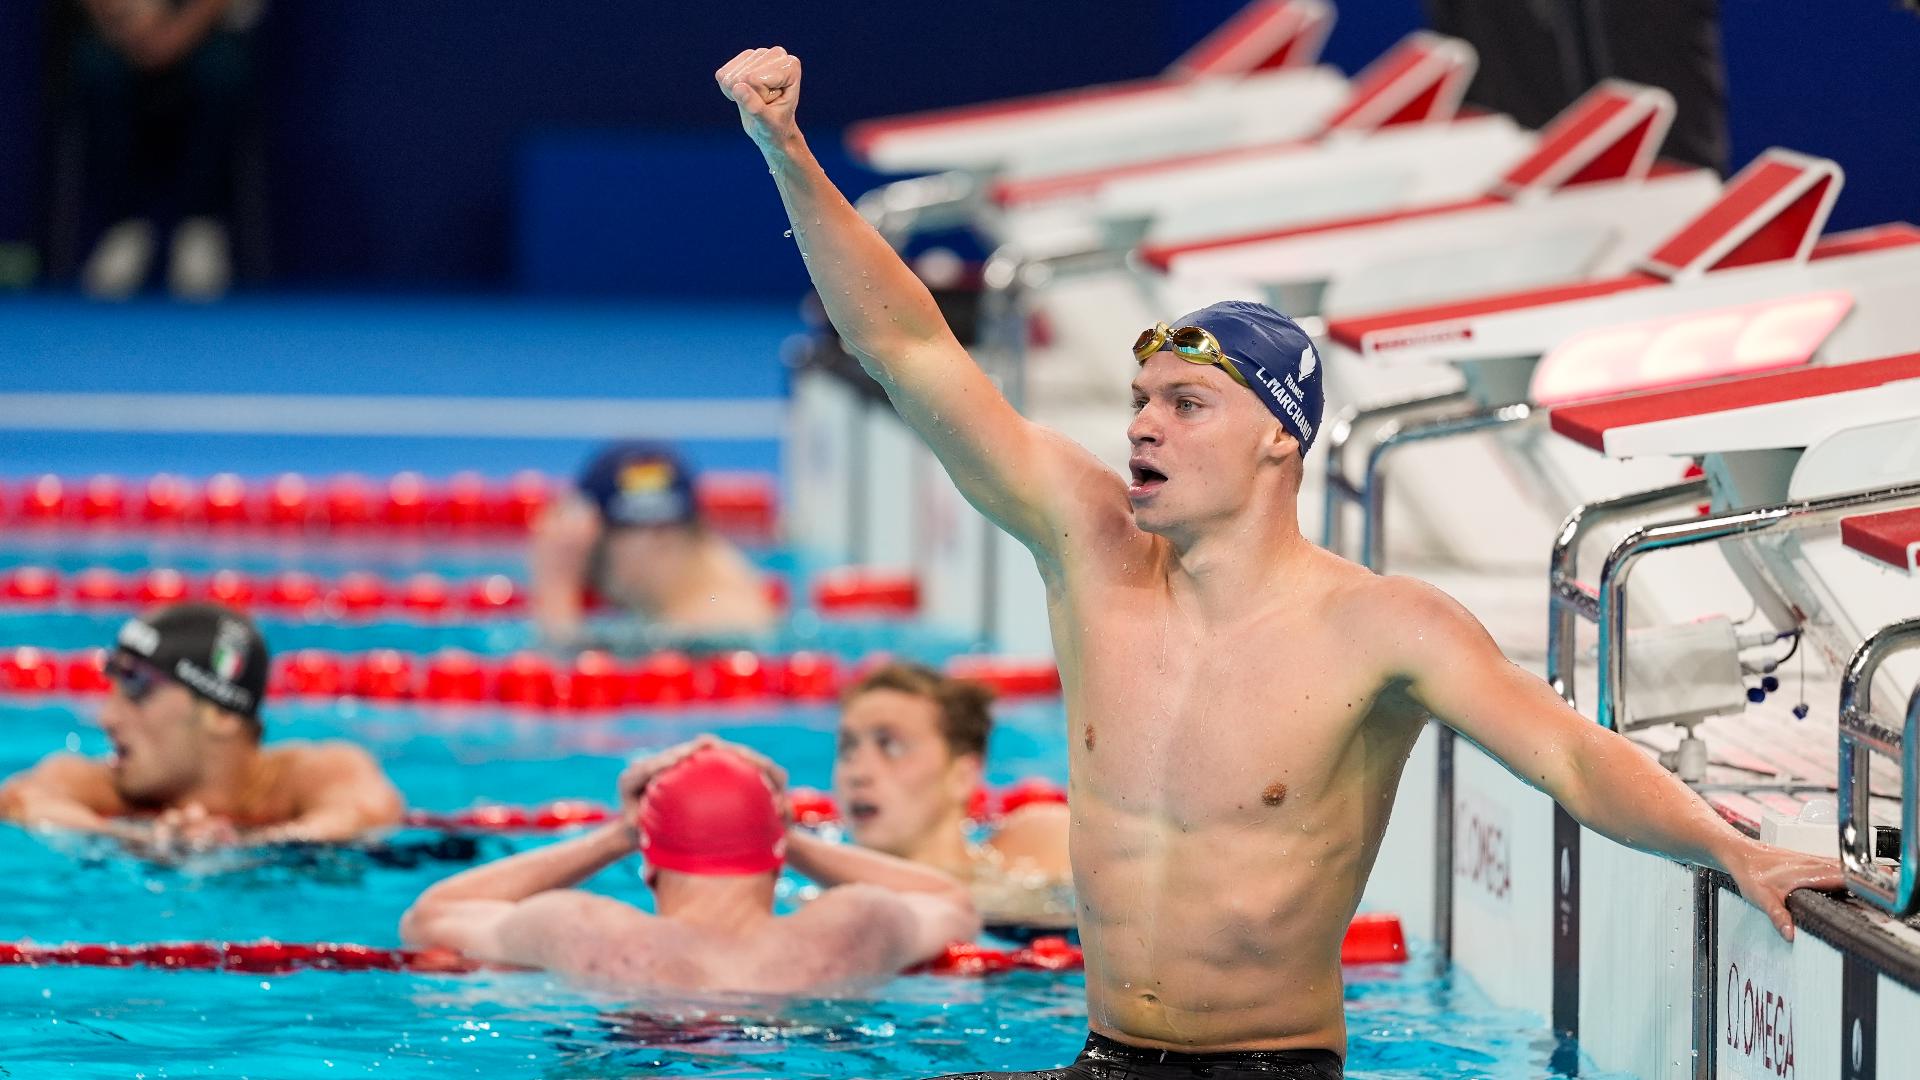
1104, 1059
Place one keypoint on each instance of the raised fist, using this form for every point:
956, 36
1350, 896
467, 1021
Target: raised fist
765, 84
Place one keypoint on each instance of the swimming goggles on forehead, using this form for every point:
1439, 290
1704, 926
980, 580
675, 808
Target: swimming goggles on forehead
1194, 344
136, 678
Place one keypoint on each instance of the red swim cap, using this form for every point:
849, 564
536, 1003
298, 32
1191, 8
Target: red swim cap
713, 813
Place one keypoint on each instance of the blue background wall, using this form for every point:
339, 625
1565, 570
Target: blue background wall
402, 129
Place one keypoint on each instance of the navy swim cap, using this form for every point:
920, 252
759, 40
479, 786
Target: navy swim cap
1276, 357
639, 483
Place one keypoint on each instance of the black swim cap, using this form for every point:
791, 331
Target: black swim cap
215, 652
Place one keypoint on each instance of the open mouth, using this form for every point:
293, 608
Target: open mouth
860, 813
1146, 479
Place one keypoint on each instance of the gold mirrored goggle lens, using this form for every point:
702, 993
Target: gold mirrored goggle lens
1198, 346
1150, 341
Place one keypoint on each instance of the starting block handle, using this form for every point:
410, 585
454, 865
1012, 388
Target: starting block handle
1861, 737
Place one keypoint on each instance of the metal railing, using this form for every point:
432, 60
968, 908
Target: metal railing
1340, 490
904, 208
1861, 737
1610, 695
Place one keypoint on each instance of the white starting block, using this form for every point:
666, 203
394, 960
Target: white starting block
1760, 240
1253, 79
1591, 200
1794, 450
1750, 269
1400, 138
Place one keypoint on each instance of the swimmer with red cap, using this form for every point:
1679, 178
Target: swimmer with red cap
631, 531
188, 768
709, 822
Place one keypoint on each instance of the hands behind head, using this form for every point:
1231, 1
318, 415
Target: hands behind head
641, 771
765, 84
1766, 875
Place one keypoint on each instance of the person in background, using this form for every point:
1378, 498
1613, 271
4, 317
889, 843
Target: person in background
163, 88
912, 745
632, 533
709, 821
188, 769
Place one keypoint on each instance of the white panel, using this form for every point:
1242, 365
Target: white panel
950, 550
820, 465
1636, 960
1402, 880
1897, 1016
1019, 601
887, 456
1503, 869
1777, 1009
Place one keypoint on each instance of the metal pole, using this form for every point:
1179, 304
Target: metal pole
1807, 514
1862, 736
1346, 423
1394, 435
1568, 599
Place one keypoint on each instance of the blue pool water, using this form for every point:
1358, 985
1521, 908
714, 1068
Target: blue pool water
1412, 1020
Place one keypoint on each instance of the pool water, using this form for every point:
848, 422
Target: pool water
1406, 1021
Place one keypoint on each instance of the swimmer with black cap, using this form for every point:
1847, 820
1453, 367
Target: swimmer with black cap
631, 531
709, 822
1240, 702
188, 768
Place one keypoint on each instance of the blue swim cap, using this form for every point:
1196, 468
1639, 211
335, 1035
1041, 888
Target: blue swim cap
639, 483
1277, 358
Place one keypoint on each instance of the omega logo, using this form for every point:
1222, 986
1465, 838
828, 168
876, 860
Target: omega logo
1760, 1024
1482, 853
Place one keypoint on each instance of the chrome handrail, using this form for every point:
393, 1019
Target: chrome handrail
1861, 736
1567, 598
1758, 521
903, 208
1339, 489
1395, 435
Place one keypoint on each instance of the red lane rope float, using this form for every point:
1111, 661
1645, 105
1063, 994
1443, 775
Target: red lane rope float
966, 959
363, 595
591, 681
738, 503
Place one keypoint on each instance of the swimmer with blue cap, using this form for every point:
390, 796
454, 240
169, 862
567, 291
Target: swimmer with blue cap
188, 769
711, 825
631, 533
1240, 703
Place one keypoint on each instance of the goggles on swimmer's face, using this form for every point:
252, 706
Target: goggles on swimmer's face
135, 678
1194, 344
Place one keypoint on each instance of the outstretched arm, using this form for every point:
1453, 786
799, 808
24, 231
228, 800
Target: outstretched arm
1453, 667
1030, 481
915, 911
66, 791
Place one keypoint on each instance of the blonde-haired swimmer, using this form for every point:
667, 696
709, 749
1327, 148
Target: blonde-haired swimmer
910, 751
709, 822
188, 769
1241, 702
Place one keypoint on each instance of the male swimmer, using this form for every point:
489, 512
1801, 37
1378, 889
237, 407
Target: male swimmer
911, 748
632, 531
1241, 702
188, 768
707, 821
